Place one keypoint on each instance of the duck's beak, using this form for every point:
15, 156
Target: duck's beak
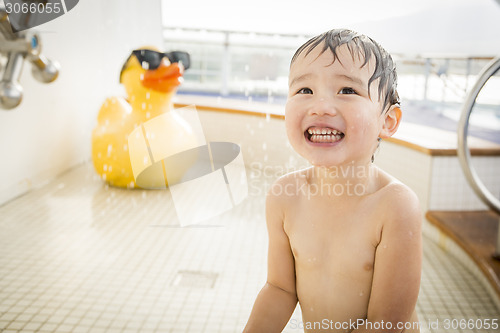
165, 78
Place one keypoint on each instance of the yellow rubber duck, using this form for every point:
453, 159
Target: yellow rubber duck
150, 79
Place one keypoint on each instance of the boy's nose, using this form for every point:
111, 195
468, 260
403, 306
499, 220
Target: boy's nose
323, 106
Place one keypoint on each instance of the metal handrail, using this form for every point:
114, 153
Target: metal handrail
463, 151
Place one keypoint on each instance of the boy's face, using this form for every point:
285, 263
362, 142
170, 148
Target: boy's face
329, 116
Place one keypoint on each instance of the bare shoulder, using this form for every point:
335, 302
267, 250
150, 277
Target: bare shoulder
400, 203
284, 192
286, 188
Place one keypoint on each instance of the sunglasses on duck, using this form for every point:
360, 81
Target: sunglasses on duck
151, 60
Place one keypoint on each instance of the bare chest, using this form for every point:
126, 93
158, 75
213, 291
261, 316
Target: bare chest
338, 240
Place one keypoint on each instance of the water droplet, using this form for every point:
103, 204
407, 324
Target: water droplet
105, 167
148, 115
125, 147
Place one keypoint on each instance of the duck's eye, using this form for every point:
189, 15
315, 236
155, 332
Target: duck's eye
304, 91
347, 91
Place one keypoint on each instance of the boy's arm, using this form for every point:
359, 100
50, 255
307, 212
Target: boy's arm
277, 300
398, 261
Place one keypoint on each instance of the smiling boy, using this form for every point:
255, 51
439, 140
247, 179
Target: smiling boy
345, 255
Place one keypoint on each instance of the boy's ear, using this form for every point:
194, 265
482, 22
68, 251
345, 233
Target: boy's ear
391, 121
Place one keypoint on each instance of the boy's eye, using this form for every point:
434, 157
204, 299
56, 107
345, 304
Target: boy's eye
347, 91
304, 91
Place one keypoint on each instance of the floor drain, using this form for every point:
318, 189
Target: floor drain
195, 279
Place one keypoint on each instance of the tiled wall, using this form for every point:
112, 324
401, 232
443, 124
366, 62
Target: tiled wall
449, 188
439, 181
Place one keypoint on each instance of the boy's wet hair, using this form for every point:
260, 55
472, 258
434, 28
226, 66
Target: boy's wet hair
359, 44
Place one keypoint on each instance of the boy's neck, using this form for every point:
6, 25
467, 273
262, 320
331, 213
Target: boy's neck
347, 180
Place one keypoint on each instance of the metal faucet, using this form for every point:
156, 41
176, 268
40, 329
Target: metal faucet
17, 47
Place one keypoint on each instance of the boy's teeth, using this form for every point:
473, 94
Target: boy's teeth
324, 134
323, 131
325, 138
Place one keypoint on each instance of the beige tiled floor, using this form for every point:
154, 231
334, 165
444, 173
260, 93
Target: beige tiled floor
77, 256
